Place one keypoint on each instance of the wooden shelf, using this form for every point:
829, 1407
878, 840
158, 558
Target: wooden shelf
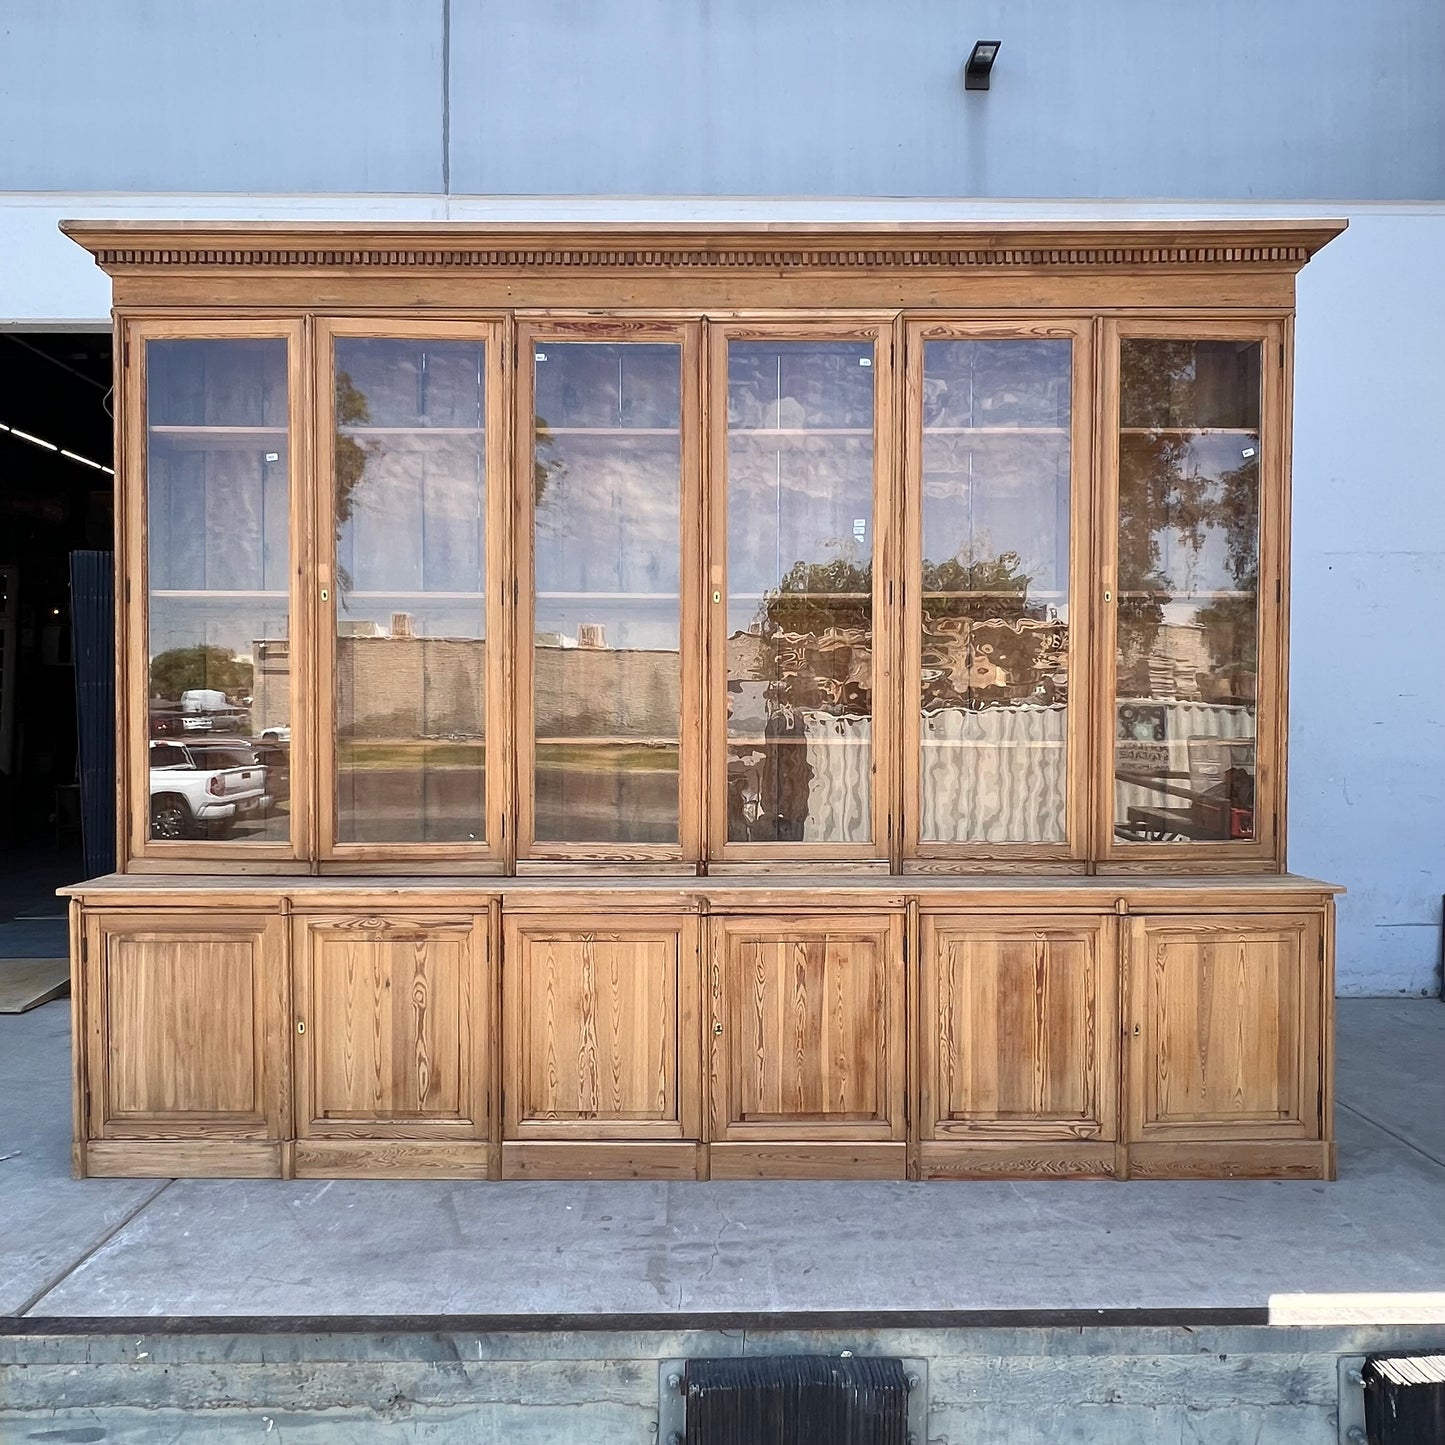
373, 594
1022, 431
606, 741
1033, 595
735, 742
608, 431
606, 596
800, 431
205, 594
1215, 595
411, 431
1190, 431
221, 438
778, 596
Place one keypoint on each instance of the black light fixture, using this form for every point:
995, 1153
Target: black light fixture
980, 62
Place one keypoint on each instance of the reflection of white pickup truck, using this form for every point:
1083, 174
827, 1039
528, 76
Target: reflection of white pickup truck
194, 793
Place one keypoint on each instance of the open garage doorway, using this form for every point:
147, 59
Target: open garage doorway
57, 491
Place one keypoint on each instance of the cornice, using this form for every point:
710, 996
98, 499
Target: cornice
769, 247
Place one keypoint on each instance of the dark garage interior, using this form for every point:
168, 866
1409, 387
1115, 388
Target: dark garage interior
56, 498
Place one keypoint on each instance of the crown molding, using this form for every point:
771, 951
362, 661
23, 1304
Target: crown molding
131, 247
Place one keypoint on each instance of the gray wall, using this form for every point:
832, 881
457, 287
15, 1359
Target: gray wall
1307, 99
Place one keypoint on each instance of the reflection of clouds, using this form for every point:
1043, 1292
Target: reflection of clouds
418, 516
985, 497
997, 382
613, 523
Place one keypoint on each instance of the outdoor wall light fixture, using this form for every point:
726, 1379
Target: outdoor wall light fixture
979, 63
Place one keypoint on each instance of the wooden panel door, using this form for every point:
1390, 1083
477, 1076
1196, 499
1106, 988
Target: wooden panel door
807, 1043
184, 1018
1017, 1045
1224, 1018
600, 1045
392, 1031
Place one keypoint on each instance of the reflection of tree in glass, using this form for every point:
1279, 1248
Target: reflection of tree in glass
352, 409
1168, 387
546, 468
819, 620
1231, 627
992, 647
205, 666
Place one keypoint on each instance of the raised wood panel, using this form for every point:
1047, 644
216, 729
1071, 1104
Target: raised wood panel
601, 1031
392, 1027
184, 1026
1018, 1029
808, 1039
1226, 1017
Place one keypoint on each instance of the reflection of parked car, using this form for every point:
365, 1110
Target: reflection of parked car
275, 755
198, 711
198, 787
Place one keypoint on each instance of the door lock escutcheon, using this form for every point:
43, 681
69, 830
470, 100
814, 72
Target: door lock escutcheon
300, 1026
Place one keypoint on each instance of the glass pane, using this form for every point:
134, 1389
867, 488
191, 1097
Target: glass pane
607, 662
218, 465
800, 591
995, 591
1188, 590
411, 651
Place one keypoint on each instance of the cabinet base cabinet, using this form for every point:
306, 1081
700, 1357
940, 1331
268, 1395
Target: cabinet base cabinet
183, 1059
1018, 1032
393, 1045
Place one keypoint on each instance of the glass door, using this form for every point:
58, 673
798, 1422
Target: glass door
211, 537
609, 656
800, 453
1195, 627
410, 590
996, 536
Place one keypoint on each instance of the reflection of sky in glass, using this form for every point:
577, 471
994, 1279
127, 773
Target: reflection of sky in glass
800, 458
996, 455
607, 547
218, 495
411, 477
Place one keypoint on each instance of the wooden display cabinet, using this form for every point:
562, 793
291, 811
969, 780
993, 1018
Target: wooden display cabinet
182, 1066
808, 1047
393, 1044
703, 700
1018, 1046
1225, 1060
602, 1047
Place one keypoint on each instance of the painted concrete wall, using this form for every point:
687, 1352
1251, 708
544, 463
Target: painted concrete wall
1367, 700
1287, 99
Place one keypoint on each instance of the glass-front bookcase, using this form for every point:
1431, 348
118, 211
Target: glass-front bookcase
884, 587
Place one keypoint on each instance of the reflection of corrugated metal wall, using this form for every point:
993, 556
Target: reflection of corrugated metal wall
1005, 780
839, 799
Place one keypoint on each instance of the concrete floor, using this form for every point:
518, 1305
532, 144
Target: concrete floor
126, 1248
